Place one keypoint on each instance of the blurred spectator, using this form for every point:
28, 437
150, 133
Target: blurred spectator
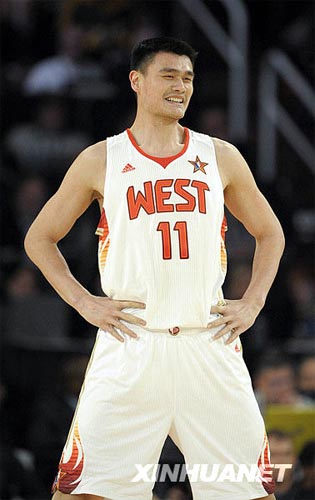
298, 36
70, 66
22, 283
254, 340
18, 478
302, 291
30, 315
144, 26
306, 377
239, 278
112, 25
306, 486
15, 27
213, 121
80, 247
52, 415
177, 493
46, 145
31, 194
274, 383
22, 200
240, 244
282, 452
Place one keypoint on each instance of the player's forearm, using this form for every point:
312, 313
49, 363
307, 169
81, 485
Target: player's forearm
48, 258
269, 250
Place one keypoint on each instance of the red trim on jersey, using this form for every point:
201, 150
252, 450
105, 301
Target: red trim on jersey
224, 227
163, 161
102, 226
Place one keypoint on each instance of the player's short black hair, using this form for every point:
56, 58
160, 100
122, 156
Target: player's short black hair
144, 51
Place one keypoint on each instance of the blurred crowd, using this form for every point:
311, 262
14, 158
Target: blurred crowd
64, 85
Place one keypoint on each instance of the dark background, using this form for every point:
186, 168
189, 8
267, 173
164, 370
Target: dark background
80, 95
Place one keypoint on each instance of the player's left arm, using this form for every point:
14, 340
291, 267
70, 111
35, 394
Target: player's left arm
250, 207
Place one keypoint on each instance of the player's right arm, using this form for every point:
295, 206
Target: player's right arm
82, 184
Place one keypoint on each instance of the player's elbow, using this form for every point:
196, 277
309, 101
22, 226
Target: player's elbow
279, 236
30, 243
273, 235
281, 240
33, 242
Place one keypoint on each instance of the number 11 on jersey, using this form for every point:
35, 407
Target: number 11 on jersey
181, 228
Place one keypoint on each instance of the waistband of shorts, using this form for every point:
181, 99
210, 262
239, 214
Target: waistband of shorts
174, 331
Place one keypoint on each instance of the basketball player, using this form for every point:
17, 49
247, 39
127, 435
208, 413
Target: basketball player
167, 359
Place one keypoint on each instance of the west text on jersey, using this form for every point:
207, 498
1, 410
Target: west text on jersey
155, 196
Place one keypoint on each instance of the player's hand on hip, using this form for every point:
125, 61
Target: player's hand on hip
107, 314
236, 316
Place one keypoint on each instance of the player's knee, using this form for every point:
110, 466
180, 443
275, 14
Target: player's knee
58, 495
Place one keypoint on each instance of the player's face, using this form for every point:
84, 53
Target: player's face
166, 86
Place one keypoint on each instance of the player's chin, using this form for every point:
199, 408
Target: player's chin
177, 114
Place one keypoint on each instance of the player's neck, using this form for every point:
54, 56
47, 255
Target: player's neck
158, 137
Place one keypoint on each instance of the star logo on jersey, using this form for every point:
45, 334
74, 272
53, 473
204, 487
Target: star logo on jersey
199, 166
128, 168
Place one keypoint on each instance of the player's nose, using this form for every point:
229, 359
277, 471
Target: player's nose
178, 85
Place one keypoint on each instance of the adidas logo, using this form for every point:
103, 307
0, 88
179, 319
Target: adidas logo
128, 168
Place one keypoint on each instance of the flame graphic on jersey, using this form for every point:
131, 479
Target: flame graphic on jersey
224, 228
103, 245
264, 467
69, 473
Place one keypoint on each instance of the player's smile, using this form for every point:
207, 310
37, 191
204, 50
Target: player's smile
175, 100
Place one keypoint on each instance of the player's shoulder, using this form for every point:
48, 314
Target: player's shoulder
229, 160
94, 154
225, 149
88, 169
199, 137
98, 152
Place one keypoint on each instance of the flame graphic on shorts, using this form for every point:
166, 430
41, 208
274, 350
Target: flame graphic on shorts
69, 473
264, 467
224, 228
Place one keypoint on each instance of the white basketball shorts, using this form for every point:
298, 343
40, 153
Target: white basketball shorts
135, 393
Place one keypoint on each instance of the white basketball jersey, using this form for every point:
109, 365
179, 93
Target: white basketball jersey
162, 231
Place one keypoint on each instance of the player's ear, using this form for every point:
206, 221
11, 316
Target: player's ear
134, 78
